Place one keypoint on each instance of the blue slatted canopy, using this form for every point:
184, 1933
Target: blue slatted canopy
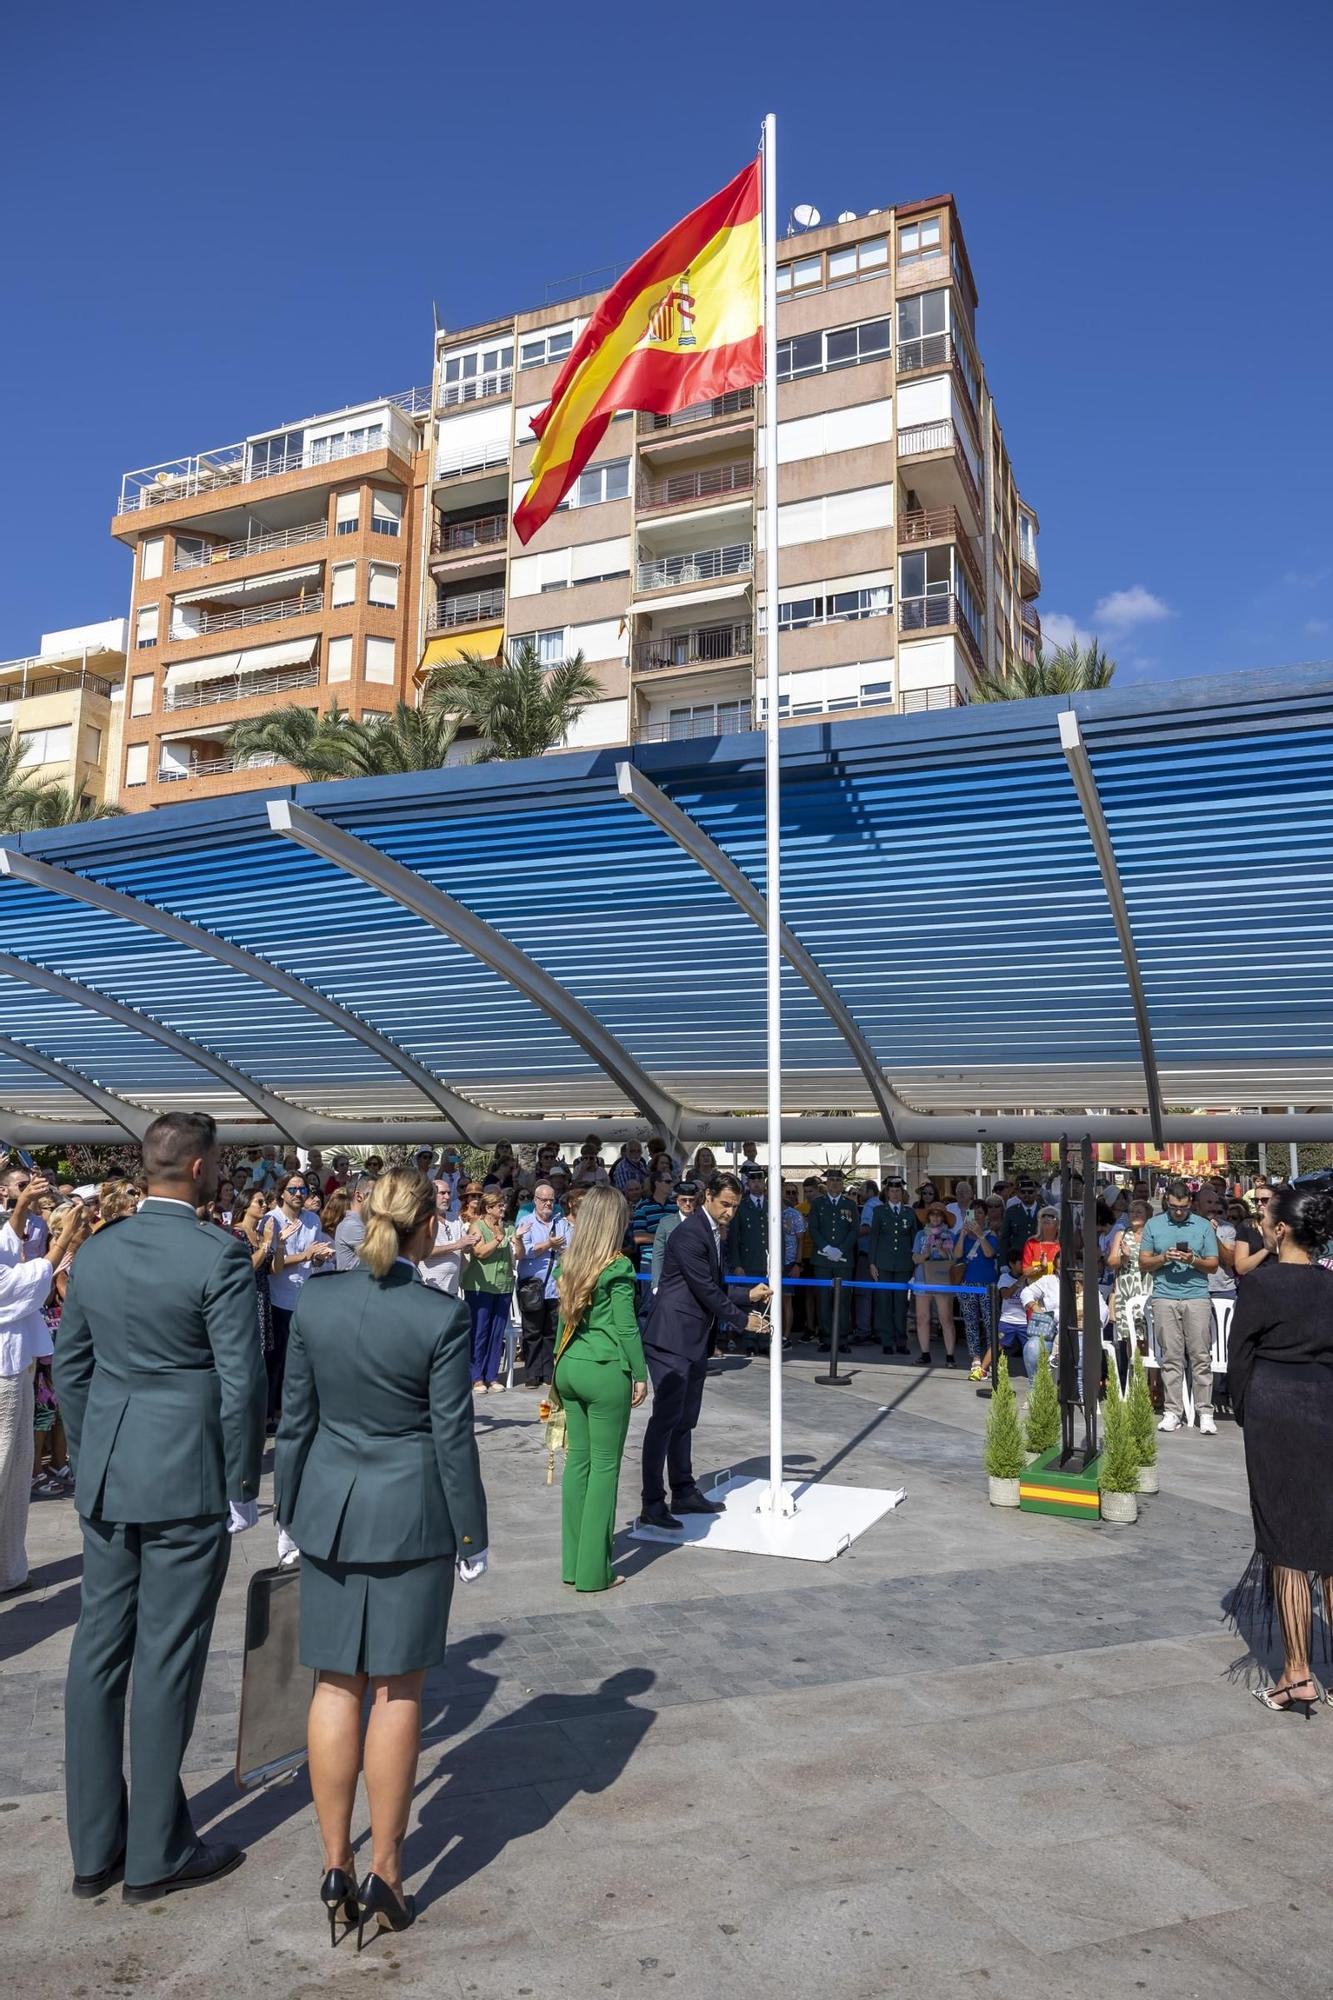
1019, 951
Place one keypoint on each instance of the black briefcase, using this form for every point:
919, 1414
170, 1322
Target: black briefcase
275, 1687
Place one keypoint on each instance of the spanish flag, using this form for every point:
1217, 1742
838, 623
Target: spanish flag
681, 326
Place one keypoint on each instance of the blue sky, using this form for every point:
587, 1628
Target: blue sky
227, 218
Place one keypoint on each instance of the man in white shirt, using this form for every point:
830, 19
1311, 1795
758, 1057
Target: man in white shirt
443, 1268
24, 1338
24, 1232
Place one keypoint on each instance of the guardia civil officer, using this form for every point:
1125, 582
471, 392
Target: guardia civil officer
835, 1225
892, 1233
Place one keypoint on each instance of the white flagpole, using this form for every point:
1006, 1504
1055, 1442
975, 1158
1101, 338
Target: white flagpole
778, 1501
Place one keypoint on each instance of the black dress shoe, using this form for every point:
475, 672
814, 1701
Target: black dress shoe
87, 1886
207, 1864
657, 1516
695, 1503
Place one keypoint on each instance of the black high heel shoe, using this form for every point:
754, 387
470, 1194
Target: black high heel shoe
337, 1892
379, 1905
1306, 1705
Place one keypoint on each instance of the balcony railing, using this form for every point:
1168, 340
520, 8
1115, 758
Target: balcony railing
734, 404
932, 524
915, 700
927, 614
26, 687
461, 538
240, 465
255, 614
1027, 555
472, 607
239, 687
472, 458
704, 646
940, 436
699, 566
414, 402
250, 545
212, 767
931, 350
713, 483
476, 389
1029, 615
681, 728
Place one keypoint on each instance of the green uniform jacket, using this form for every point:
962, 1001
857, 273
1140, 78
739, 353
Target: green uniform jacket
892, 1234
159, 1369
839, 1223
376, 1460
611, 1331
745, 1245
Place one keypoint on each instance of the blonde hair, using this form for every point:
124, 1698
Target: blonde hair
603, 1215
116, 1199
399, 1203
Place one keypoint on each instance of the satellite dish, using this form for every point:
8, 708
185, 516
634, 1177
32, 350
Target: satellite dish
848, 215
805, 216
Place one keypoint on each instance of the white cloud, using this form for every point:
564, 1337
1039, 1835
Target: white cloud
1126, 608
1059, 629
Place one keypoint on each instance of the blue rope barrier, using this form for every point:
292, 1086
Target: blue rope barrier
850, 1285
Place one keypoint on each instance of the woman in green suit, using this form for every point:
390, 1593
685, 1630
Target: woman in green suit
600, 1375
376, 1478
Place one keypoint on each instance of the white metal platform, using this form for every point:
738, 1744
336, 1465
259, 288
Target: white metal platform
825, 1520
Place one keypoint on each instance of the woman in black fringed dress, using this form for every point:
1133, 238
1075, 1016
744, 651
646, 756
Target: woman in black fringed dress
1280, 1367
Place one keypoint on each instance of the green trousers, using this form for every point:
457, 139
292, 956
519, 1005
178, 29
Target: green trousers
149, 1595
889, 1312
596, 1396
824, 1269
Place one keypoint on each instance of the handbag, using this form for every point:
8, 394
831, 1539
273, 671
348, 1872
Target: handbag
555, 1426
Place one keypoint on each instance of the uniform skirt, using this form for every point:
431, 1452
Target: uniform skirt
374, 1618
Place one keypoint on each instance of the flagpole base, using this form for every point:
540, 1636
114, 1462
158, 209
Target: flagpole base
823, 1523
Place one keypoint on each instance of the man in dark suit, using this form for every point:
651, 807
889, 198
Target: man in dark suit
691, 1298
160, 1374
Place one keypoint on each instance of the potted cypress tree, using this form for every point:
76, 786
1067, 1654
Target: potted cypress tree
1143, 1425
1004, 1455
1041, 1412
1118, 1462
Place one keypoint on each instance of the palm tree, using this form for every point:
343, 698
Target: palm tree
29, 804
332, 745
1071, 669
518, 707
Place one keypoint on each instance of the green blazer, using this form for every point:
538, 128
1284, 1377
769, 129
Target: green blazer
159, 1369
836, 1222
376, 1459
611, 1330
892, 1234
745, 1245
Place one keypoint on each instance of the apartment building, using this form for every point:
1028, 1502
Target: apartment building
908, 561
65, 704
281, 569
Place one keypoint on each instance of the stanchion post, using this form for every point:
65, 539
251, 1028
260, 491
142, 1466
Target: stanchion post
833, 1380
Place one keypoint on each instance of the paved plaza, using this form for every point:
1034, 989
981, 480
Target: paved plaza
981, 1754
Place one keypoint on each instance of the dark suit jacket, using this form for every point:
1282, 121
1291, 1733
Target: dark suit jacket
691, 1295
376, 1459
160, 1371
1015, 1231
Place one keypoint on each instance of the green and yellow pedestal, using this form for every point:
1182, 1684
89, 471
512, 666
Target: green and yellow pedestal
1071, 1494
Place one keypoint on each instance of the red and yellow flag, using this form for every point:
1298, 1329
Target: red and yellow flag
684, 324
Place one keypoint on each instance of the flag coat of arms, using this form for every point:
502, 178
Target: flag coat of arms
682, 325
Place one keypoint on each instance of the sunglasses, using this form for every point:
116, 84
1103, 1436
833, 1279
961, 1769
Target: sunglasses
296, 1187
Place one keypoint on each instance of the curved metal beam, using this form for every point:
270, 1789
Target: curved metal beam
146, 916
403, 886
1080, 769
132, 1119
292, 1123
692, 840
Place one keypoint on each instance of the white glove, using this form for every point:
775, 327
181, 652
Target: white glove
241, 1514
288, 1553
831, 1250
471, 1567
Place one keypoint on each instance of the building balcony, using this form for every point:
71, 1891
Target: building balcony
936, 614
472, 607
489, 456
27, 680
728, 719
480, 389
461, 541
695, 566
201, 765
685, 489
940, 524
931, 352
1030, 618
917, 700
211, 472
255, 614
722, 409
705, 645
251, 545
930, 441
236, 686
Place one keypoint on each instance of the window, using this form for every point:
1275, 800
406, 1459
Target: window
857, 512
192, 551
553, 344
557, 569
374, 714
344, 584
927, 573
339, 653
92, 744
918, 239
549, 645
927, 313
386, 513
805, 275
347, 513
136, 764
831, 606
599, 483
381, 660
877, 690
383, 590
475, 372
858, 260
150, 557
841, 347
346, 444
45, 746
141, 695
283, 453
145, 626
849, 429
